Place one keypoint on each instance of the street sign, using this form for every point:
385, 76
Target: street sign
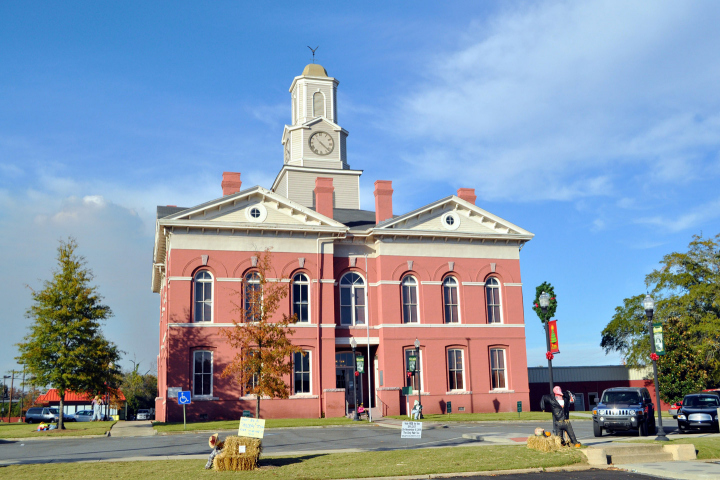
173, 392
411, 430
449, 407
251, 427
412, 362
184, 398
407, 390
360, 363
658, 337
519, 407
554, 347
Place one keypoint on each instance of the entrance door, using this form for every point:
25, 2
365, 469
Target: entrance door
345, 378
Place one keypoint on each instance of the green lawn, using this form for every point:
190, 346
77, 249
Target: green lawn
269, 423
72, 429
491, 417
337, 465
706, 447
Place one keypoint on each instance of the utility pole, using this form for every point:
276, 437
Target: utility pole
12, 379
22, 395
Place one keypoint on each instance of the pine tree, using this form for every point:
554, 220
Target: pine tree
263, 350
65, 347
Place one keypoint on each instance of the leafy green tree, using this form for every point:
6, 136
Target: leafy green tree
65, 347
263, 349
678, 372
140, 389
552, 307
686, 288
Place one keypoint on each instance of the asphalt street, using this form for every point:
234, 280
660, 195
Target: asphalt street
276, 441
582, 475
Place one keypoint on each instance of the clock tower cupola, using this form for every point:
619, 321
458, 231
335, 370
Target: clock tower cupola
314, 145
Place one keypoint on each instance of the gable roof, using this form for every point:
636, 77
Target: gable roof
489, 225
70, 396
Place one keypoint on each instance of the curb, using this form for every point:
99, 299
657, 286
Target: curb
64, 437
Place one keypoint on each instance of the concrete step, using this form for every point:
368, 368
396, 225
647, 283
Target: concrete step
633, 449
643, 458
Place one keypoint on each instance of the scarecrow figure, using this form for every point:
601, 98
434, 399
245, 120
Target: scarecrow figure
217, 448
559, 405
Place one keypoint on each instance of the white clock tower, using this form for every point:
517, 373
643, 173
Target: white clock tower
315, 145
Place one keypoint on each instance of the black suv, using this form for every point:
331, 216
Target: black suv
622, 409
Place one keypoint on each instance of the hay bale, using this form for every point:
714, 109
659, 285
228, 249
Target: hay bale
545, 444
230, 459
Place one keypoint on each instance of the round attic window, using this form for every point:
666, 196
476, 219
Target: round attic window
450, 221
256, 213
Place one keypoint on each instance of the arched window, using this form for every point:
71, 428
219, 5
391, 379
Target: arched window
301, 297
318, 105
253, 297
450, 300
202, 283
492, 294
409, 300
456, 375
352, 299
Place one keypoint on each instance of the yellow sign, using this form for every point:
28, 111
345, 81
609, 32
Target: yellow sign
251, 427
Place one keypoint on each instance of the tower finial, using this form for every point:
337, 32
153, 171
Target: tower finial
313, 51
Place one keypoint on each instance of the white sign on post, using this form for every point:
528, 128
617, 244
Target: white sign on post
173, 392
411, 430
251, 427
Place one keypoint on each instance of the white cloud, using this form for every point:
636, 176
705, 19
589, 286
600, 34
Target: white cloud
691, 219
565, 100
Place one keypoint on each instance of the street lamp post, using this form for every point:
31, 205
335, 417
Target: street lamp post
107, 398
353, 344
649, 305
417, 372
544, 304
5, 377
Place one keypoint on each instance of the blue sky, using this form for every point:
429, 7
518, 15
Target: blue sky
595, 125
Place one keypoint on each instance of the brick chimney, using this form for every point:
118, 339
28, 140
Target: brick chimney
383, 200
467, 194
231, 183
324, 196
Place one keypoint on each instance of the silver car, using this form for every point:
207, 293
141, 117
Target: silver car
143, 414
41, 414
83, 416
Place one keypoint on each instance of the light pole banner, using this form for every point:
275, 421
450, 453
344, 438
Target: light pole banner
554, 346
658, 338
412, 363
360, 364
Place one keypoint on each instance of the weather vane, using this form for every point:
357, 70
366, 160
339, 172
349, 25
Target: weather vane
313, 50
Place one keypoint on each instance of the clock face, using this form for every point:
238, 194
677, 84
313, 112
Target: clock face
287, 151
321, 143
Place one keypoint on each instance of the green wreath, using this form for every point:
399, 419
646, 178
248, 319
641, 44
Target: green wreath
548, 288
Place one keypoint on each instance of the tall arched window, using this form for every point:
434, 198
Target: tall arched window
301, 297
352, 299
202, 283
492, 294
450, 300
409, 300
253, 297
318, 105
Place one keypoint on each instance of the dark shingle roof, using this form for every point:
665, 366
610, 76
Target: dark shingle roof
354, 218
163, 212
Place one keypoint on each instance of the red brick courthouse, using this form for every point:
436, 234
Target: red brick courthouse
446, 274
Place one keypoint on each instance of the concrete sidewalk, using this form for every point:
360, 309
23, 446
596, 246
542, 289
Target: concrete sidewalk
684, 470
138, 428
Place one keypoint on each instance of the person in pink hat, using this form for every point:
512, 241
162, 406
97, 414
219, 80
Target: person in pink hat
559, 405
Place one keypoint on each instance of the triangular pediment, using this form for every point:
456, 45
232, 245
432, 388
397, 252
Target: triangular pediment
452, 215
255, 207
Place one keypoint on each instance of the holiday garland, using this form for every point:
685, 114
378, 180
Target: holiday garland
547, 288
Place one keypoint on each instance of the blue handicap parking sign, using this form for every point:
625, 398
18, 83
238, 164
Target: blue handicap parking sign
184, 398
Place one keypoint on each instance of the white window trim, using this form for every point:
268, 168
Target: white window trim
309, 304
456, 222
500, 299
506, 388
457, 286
212, 373
353, 319
263, 213
212, 297
304, 395
417, 295
462, 358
